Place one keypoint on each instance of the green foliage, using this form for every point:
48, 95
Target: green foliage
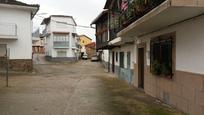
156, 68
166, 69
161, 69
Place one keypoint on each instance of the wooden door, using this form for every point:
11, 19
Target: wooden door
141, 67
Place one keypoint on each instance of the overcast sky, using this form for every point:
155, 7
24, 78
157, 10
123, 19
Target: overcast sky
83, 11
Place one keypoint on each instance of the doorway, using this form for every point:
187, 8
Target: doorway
141, 67
113, 62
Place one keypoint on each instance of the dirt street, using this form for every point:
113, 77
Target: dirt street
81, 88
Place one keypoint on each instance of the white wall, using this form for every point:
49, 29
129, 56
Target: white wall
125, 49
189, 44
60, 27
105, 55
21, 48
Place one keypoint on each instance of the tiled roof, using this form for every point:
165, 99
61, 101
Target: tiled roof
15, 2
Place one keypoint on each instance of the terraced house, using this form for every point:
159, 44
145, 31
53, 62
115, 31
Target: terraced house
16, 33
157, 46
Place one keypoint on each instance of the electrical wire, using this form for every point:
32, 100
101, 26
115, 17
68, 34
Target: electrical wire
80, 26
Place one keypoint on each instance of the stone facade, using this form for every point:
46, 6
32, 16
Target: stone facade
23, 65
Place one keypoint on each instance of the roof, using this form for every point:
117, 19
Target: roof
85, 36
92, 44
99, 16
108, 3
47, 20
15, 2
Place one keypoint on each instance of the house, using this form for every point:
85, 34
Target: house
16, 33
84, 40
61, 39
161, 43
38, 43
103, 37
91, 49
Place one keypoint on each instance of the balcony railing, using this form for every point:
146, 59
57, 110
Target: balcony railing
61, 44
8, 31
136, 10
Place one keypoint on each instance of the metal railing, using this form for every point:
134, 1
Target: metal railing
61, 44
137, 9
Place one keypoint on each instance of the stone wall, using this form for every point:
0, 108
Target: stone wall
23, 65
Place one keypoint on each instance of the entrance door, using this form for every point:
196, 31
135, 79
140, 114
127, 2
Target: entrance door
141, 68
113, 62
3, 49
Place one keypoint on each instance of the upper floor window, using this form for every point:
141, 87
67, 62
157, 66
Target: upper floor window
61, 37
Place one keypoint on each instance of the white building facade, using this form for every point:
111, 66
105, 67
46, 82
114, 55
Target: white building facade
61, 40
16, 33
161, 51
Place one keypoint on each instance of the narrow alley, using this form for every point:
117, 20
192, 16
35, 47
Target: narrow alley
81, 88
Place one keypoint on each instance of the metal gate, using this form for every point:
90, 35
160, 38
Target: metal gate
4, 61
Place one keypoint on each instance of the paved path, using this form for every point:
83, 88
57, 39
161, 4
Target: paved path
81, 88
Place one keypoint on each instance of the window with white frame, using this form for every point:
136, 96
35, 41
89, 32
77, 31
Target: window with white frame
61, 37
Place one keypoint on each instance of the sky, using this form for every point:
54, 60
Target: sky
83, 11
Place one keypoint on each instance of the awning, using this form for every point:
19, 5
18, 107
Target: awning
116, 41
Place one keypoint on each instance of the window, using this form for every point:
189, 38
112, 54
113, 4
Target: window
128, 60
116, 56
161, 55
122, 59
61, 54
60, 37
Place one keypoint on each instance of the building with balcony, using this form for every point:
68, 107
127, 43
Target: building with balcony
61, 40
103, 37
162, 42
16, 33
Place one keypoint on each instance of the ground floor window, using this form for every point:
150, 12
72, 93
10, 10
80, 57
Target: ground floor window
122, 59
128, 59
116, 56
161, 55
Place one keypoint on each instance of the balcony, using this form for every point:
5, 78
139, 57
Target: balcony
136, 10
166, 14
61, 44
8, 31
